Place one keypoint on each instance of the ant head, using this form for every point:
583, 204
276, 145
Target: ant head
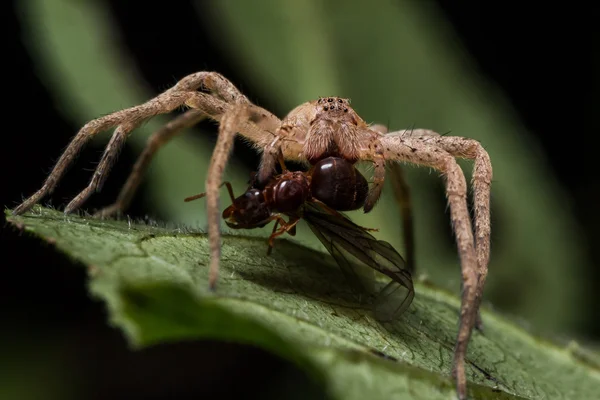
247, 211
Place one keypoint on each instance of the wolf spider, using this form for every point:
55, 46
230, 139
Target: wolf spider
310, 132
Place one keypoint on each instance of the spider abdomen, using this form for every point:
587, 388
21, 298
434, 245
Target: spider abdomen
337, 183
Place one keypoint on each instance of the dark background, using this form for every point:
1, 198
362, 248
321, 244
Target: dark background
521, 49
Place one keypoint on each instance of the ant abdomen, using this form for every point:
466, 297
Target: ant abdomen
338, 184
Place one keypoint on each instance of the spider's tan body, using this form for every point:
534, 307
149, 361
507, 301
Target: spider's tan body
310, 132
324, 127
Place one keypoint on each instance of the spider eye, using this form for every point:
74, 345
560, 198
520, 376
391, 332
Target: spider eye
340, 101
330, 99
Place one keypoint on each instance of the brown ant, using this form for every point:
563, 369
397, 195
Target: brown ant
331, 185
334, 183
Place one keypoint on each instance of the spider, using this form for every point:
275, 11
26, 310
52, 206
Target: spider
312, 131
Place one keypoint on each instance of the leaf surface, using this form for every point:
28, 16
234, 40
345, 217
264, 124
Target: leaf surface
296, 303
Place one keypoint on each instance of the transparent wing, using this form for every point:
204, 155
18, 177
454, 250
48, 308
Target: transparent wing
359, 254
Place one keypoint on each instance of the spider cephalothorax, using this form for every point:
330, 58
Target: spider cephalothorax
333, 129
323, 128
310, 132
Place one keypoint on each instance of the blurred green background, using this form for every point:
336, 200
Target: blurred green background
402, 63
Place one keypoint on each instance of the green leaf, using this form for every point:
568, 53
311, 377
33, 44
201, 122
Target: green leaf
295, 303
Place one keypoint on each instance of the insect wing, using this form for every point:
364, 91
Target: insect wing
359, 254
330, 231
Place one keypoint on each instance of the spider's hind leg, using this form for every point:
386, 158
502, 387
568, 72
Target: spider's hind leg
403, 198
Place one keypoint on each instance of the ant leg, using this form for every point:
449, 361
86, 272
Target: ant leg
285, 227
270, 248
201, 195
229, 189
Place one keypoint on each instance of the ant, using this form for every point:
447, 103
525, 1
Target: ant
333, 183
317, 196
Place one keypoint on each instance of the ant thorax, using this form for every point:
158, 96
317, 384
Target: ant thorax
288, 192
